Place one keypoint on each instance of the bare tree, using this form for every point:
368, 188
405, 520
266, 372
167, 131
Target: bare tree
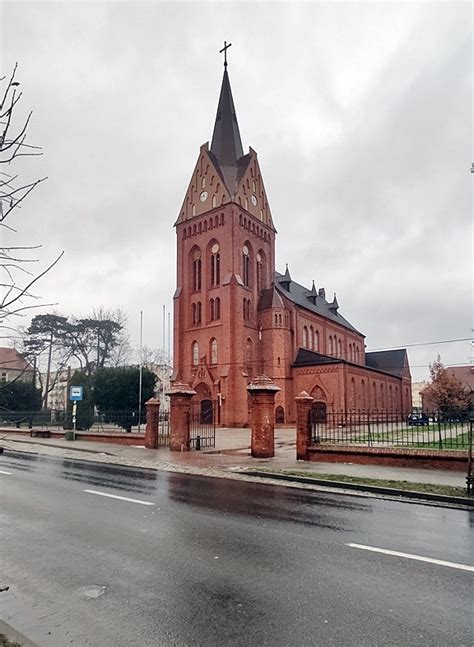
16, 279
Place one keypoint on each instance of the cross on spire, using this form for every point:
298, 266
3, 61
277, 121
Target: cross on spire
224, 49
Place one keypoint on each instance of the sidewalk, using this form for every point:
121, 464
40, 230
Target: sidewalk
230, 456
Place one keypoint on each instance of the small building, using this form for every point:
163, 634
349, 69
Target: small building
13, 366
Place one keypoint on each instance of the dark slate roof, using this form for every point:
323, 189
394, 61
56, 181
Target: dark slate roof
388, 361
226, 144
270, 299
298, 294
307, 357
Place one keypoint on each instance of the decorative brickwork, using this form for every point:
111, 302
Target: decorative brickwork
152, 423
180, 408
303, 425
262, 393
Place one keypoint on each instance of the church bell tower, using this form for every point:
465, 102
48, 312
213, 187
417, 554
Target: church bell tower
225, 257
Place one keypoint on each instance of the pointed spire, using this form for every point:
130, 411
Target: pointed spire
226, 144
313, 294
286, 279
334, 306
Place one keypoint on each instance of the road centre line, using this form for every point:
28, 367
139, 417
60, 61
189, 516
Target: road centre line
8, 473
419, 558
116, 496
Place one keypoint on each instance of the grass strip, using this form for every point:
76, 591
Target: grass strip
447, 490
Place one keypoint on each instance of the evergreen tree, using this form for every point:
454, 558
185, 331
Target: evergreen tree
85, 408
116, 394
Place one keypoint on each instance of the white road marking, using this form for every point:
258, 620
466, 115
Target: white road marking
116, 496
2, 472
420, 558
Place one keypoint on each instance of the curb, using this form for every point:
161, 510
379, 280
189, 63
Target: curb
373, 489
76, 449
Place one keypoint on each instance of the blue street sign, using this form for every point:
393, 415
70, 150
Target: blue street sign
75, 393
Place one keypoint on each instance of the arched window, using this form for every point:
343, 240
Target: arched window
357, 355
248, 357
279, 415
382, 399
316, 340
261, 277
198, 312
215, 265
339, 348
213, 351
390, 398
211, 310
311, 337
214, 200
331, 345
195, 353
351, 354
194, 314
374, 395
353, 393
246, 265
217, 308
276, 320
362, 395
196, 271
305, 337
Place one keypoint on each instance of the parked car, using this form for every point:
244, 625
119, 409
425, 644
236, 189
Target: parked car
418, 419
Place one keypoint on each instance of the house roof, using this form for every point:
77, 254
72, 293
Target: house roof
11, 359
305, 298
464, 374
388, 361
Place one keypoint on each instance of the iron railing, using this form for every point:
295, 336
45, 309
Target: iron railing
202, 429
391, 429
97, 422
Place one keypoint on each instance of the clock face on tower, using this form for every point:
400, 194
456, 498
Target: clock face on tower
203, 196
254, 200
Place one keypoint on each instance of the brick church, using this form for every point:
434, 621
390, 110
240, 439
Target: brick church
235, 317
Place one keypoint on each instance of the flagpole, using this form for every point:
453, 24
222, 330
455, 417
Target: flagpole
140, 379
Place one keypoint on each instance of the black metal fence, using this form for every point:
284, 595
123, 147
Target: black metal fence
202, 428
98, 422
390, 430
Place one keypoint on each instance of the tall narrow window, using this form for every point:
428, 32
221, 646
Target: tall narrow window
353, 393
339, 348
198, 313
217, 308
316, 340
211, 310
374, 395
246, 265
260, 272
215, 265
248, 357
194, 318
305, 337
195, 353
213, 351
311, 337
197, 274
331, 345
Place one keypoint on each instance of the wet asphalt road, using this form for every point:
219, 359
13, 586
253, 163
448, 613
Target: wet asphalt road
221, 562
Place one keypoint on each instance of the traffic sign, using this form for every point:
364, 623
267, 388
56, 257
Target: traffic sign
76, 393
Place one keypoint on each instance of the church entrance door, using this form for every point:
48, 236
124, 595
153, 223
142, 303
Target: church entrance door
318, 412
207, 411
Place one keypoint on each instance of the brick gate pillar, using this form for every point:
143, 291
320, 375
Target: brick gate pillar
152, 423
303, 425
262, 393
180, 396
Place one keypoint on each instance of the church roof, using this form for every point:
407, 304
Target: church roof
270, 299
307, 357
388, 361
226, 145
304, 298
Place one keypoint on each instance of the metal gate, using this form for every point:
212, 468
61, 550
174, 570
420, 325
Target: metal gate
164, 429
202, 426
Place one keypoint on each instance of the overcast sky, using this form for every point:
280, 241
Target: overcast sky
361, 117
